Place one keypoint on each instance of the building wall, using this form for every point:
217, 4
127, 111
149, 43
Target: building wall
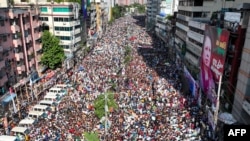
18, 44
242, 93
153, 9
64, 22
186, 13
4, 4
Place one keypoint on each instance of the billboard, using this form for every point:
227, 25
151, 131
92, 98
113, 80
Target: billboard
213, 59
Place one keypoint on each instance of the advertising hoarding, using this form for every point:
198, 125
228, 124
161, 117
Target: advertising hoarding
213, 59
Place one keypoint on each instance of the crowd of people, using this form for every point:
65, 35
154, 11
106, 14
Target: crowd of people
152, 105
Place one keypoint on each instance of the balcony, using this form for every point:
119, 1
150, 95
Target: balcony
19, 56
160, 18
181, 35
78, 39
181, 26
196, 24
191, 59
37, 36
161, 26
31, 62
77, 22
38, 47
28, 38
77, 31
196, 36
182, 17
15, 28
17, 42
26, 25
194, 8
38, 57
194, 48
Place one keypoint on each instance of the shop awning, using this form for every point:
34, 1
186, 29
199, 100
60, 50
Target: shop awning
8, 98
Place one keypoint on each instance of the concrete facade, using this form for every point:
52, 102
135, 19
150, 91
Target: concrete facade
241, 105
20, 45
63, 21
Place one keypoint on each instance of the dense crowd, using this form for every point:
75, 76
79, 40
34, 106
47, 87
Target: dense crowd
152, 105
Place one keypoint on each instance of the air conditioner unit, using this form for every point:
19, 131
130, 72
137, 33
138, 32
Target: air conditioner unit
64, 23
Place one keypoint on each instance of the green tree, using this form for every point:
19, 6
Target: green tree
53, 54
89, 136
118, 11
99, 104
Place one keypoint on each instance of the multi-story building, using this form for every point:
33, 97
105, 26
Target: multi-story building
101, 17
91, 20
20, 44
238, 67
63, 20
191, 20
166, 9
153, 9
190, 25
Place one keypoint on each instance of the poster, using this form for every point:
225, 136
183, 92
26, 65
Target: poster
213, 59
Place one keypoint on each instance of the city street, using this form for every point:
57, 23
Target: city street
151, 103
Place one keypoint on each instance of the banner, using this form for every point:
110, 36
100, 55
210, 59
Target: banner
192, 83
84, 9
213, 59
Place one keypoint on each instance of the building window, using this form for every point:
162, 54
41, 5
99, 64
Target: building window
26, 33
65, 19
62, 9
59, 19
2, 23
64, 37
65, 46
44, 18
44, 9
77, 26
57, 28
4, 38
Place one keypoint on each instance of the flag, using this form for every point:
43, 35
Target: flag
84, 9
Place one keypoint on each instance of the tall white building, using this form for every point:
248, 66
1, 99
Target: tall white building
63, 20
167, 8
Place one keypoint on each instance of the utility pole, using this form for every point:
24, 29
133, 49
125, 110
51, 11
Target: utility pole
106, 115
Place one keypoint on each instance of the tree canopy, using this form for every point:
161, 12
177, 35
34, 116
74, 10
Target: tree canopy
53, 54
117, 11
99, 104
90, 136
